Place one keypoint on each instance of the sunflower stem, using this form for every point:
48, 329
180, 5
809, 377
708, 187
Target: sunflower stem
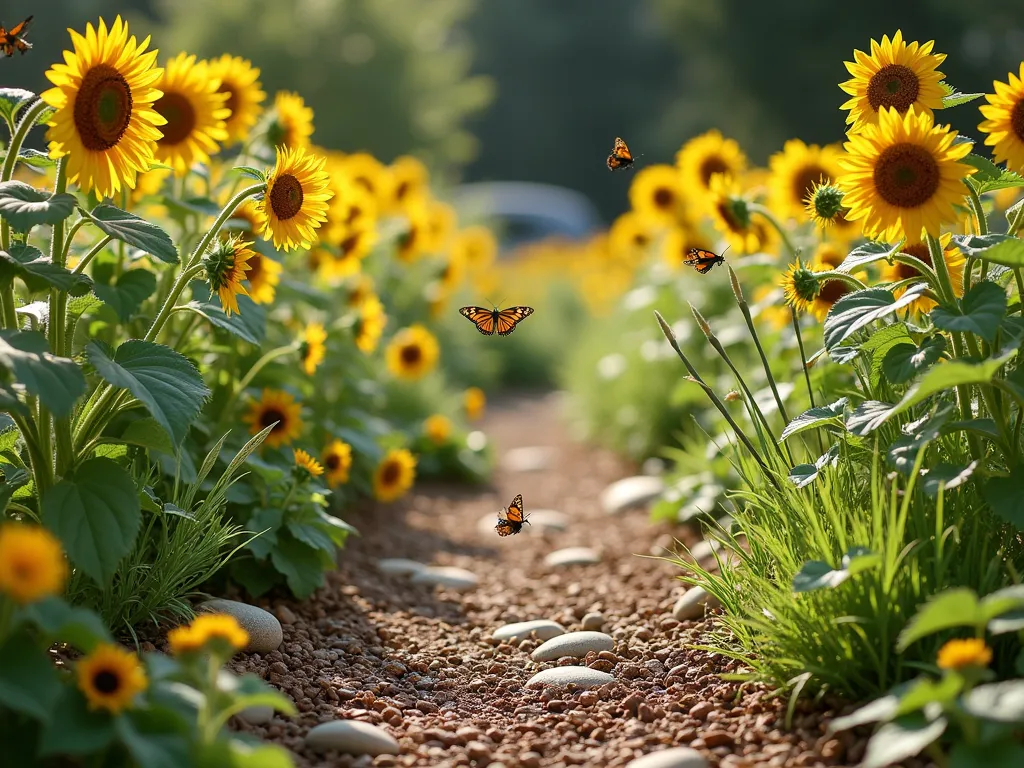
251, 374
945, 284
979, 211
803, 355
84, 261
927, 272
58, 331
842, 277
760, 209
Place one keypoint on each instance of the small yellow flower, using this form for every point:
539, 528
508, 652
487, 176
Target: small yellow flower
475, 401
368, 172
293, 122
273, 406
295, 203
307, 463
370, 324
32, 564
437, 428
394, 475
195, 114
417, 237
971, 652
705, 156
226, 267
476, 247
111, 677
312, 349
731, 215
409, 179
239, 81
1005, 121
354, 246
631, 236
657, 194
263, 277
218, 632
412, 353
337, 460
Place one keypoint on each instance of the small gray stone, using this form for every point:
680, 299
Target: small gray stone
448, 577
575, 644
675, 757
693, 604
593, 621
631, 492
584, 677
542, 628
352, 737
572, 556
257, 715
265, 633
529, 459
400, 566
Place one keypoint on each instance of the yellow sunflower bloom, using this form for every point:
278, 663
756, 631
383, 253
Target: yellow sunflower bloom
307, 463
32, 564
1005, 121
475, 402
476, 247
239, 81
452, 273
194, 111
412, 353
226, 267
799, 286
657, 193
295, 204
767, 309
312, 349
105, 121
371, 174
795, 171
370, 324
437, 428
970, 652
408, 183
292, 124
275, 405
829, 292
828, 256
416, 238
337, 460
441, 224
676, 245
352, 248
732, 217
111, 677
394, 475
705, 156
631, 236
903, 175
217, 632
359, 210
149, 184
918, 248
896, 75
360, 289
263, 277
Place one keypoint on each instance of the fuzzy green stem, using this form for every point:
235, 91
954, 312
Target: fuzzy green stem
742, 302
945, 284
57, 331
925, 271
803, 355
84, 261
1018, 220
843, 277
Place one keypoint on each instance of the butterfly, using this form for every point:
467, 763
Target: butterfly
702, 260
510, 521
620, 157
504, 321
9, 40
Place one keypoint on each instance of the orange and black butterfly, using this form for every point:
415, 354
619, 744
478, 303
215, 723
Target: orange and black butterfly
504, 321
510, 521
702, 260
620, 157
13, 38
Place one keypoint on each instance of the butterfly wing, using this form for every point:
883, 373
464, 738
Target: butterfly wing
702, 260
482, 318
515, 510
509, 318
507, 527
20, 28
21, 45
620, 157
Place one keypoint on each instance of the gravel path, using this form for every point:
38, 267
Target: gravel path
419, 661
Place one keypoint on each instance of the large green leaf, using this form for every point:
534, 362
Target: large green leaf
946, 476
162, 379
62, 623
900, 739
74, 728
300, 563
135, 231
11, 102
127, 294
24, 206
28, 680
986, 170
955, 98
867, 253
56, 381
147, 433
1001, 249
1004, 495
96, 513
38, 272
821, 416
980, 312
1004, 752
953, 608
861, 308
903, 362
248, 324
152, 740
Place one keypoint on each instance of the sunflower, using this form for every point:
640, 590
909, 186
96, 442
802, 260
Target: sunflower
1005, 123
367, 171
825, 208
897, 75
476, 247
474, 401
705, 156
437, 428
292, 124
360, 208
416, 238
352, 248
149, 184
32, 564
656, 193
240, 83
829, 292
795, 172
194, 111
273, 406
408, 182
226, 267
263, 277
111, 677
676, 246
903, 175
969, 652
218, 632
337, 460
918, 248
731, 215
441, 224
312, 349
767, 308
295, 203
370, 325
452, 273
105, 121
306, 463
412, 353
799, 286
828, 256
631, 236
360, 290
394, 475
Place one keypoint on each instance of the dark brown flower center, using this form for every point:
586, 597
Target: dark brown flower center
354, 214
269, 416
894, 85
712, 164
232, 100
728, 214
411, 354
918, 251
390, 473
286, 197
664, 198
906, 175
332, 462
804, 181
830, 257
1017, 119
348, 245
402, 190
832, 291
640, 239
103, 108
408, 240
180, 116
255, 272
106, 682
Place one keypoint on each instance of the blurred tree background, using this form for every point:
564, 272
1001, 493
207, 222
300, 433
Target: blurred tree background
535, 89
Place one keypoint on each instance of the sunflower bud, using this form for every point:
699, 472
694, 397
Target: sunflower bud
825, 203
800, 286
226, 264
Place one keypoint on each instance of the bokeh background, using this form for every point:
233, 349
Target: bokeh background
536, 89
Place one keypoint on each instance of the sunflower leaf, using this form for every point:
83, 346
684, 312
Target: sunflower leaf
1001, 249
815, 417
1004, 180
949, 476
866, 253
11, 102
248, 324
954, 98
127, 294
136, 232
56, 381
987, 170
980, 311
33, 158
24, 206
249, 171
859, 309
904, 361
1004, 496
39, 273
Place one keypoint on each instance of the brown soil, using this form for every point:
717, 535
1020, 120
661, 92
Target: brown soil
420, 662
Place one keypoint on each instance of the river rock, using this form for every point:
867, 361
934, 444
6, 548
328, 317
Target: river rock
593, 621
520, 630
529, 459
693, 604
400, 566
448, 577
352, 737
261, 714
631, 492
265, 633
572, 556
584, 677
575, 644
547, 520
675, 757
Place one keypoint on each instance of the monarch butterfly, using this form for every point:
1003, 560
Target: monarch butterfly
510, 521
702, 260
504, 321
9, 40
620, 157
